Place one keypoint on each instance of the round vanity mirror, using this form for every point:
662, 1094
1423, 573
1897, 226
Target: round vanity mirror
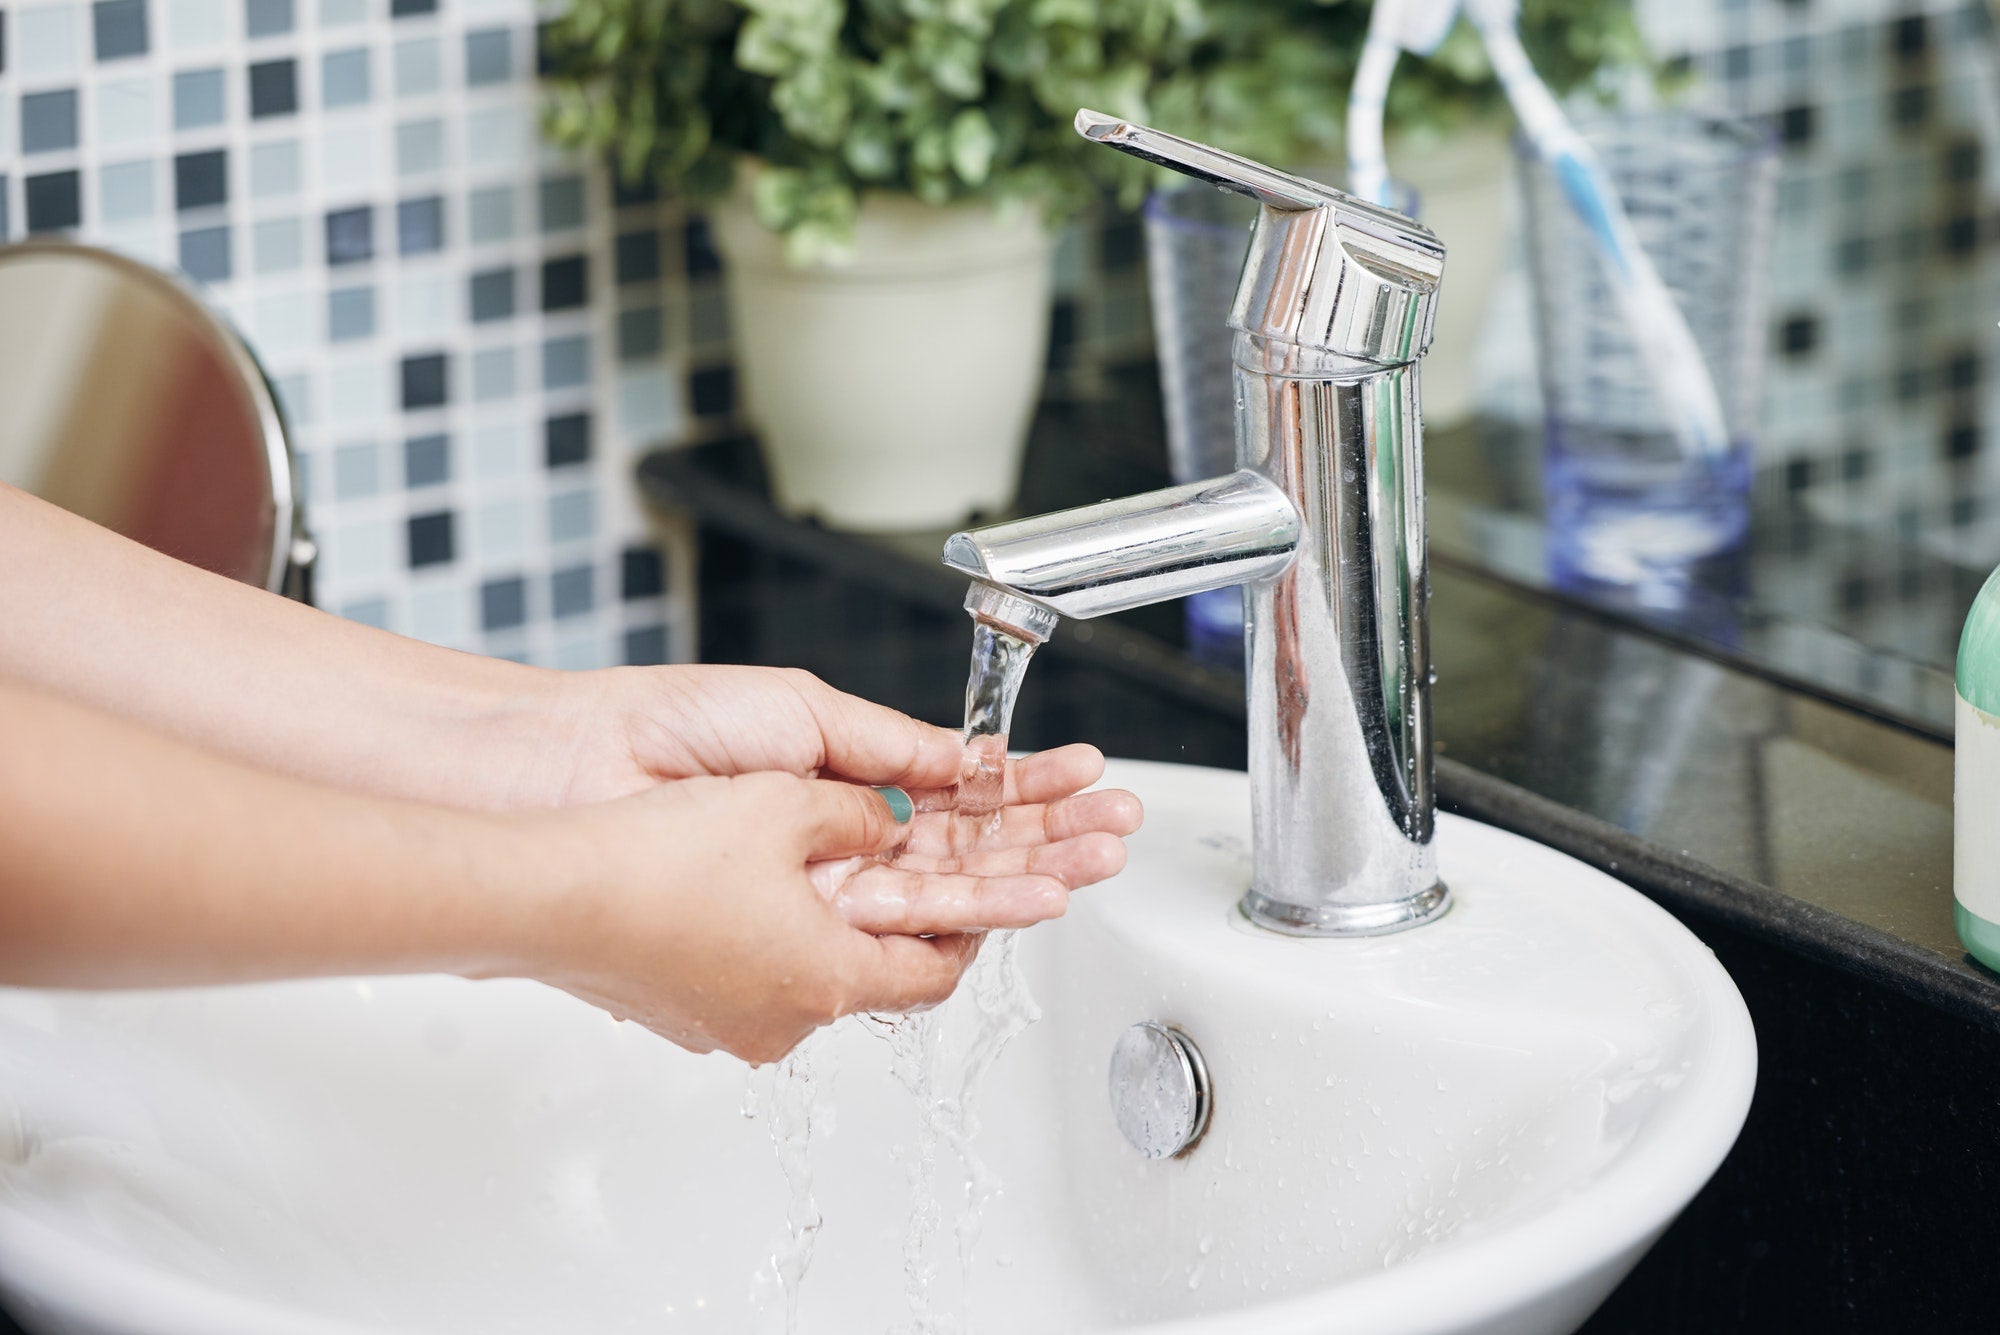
130, 403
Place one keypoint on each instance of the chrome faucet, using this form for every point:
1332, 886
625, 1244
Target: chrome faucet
1322, 522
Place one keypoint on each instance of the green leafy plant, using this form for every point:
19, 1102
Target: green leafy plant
950, 100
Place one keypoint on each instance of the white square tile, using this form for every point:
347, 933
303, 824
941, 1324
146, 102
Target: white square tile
500, 530
128, 112
351, 554
649, 407
350, 160
425, 304
357, 391
499, 449
48, 43
579, 655
281, 324
192, 24
439, 615
499, 136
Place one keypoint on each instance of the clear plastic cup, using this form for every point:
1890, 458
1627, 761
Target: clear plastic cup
1196, 237
1625, 504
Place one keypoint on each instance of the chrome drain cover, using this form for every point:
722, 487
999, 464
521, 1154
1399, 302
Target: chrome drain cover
1159, 1090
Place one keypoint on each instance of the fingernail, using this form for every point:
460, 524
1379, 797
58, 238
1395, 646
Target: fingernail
899, 802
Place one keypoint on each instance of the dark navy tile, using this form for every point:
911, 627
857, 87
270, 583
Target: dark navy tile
1796, 125
573, 592
503, 603
120, 28
48, 121
267, 18
625, 194
565, 283
274, 88
698, 253
201, 180
639, 337
493, 295
1798, 335
424, 381
426, 461
712, 391
420, 226
431, 539
205, 254
646, 646
638, 257
566, 440
54, 200
350, 236
403, 9
641, 573
5, 220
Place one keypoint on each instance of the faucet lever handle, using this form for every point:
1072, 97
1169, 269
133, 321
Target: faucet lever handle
1266, 185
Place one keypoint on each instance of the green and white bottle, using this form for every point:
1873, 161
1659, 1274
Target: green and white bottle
1976, 801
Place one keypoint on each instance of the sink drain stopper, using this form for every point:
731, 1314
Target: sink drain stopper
1159, 1090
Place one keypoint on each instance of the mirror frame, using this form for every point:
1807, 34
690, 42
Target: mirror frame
292, 551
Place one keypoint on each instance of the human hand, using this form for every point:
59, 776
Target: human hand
740, 913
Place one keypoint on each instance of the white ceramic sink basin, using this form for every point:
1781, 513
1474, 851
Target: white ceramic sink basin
1475, 1126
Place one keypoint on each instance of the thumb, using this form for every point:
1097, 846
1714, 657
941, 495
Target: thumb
846, 820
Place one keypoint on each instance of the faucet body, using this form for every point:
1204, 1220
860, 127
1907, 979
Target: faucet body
1323, 523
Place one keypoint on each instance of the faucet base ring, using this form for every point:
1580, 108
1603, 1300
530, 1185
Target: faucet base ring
1342, 919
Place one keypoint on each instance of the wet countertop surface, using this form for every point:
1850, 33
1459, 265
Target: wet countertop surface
1713, 787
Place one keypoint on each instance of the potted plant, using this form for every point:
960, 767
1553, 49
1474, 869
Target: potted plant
884, 176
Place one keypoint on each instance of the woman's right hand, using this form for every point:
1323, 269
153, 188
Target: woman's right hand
716, 911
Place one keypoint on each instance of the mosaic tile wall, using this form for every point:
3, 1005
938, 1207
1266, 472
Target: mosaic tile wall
471, 335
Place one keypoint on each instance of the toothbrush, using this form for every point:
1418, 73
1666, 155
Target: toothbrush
1666, 344
1394, 26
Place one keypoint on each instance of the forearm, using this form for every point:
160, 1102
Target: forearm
105, 622
132, 859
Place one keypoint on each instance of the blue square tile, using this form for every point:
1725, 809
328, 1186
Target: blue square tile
431, 539
419, 67
205, 254
6, 222
562, 203
125, 191
566, 440
490, 213
267, 18
55, 201
492, 374
426, 461
425, 382
277, 245
350, 236
419, 147
48, 121
274, 88
639, 334
120, 28
565, 283
646, 646
572, 516
566, 362
503, 603
350, 313
573, 592
493, 295
198, 99
489, 56
638, 257
342, 13
357, 472
641, 574
368, 612
201, 180
420, 226
343, 78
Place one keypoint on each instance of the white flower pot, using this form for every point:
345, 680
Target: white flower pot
893, 392
1461, 182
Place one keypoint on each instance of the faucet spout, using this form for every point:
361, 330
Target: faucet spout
1136, 550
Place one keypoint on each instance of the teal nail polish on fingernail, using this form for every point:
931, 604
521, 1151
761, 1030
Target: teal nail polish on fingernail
900, 805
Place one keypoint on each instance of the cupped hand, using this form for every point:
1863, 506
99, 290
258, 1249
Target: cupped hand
715, 911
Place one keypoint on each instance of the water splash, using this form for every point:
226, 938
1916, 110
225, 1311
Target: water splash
794, 1101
